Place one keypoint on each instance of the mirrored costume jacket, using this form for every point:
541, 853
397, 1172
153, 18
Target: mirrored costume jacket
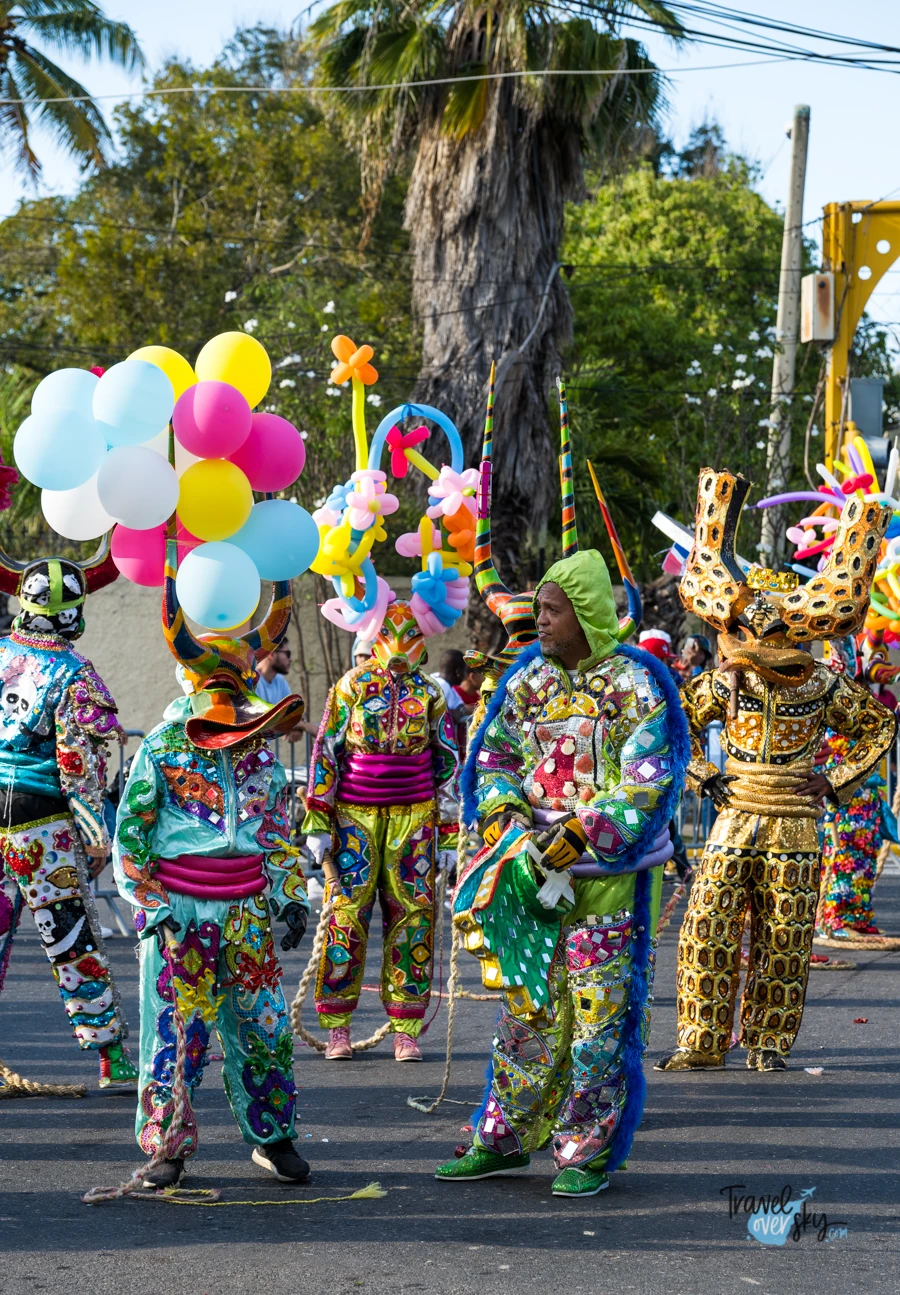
182, 800
371, 712
56, 718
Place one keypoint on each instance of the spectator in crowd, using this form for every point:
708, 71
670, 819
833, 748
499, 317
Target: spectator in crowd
696, 656
273, 686
362, 651
450, 674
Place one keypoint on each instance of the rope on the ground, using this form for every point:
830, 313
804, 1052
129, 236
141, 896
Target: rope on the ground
303, 988
201, 1196
15, 1085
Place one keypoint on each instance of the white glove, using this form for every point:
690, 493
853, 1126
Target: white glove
318, 844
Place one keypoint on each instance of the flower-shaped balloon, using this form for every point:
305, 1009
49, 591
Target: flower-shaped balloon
398, 441
453, 490
336, 557
436, 590
326, 517
461, 533
337, 500
369, 501
409, 545
353, 362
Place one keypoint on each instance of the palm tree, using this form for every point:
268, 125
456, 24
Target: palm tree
29, 78
494, 160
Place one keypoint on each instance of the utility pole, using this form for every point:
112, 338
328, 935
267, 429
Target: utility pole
778, 454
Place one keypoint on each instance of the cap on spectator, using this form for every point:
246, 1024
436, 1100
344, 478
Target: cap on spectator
657, 642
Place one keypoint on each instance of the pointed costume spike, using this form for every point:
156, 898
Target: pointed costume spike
187, 649
490, 586
628, 623
566, 484
100, 570
266, 637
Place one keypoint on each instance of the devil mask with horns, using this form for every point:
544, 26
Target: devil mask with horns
52, 590
219, 672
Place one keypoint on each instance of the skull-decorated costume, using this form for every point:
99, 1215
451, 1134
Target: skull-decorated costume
204, 854
56, 718
572, 779
775, 702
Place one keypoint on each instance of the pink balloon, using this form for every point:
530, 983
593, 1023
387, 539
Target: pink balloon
273, 455
141, 555
212, 420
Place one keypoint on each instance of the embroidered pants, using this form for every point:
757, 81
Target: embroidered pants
780, 890
386, 853
224, 976
41, 857
571, 1073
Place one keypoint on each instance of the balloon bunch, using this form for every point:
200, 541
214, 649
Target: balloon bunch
351, 522
151, 442
814, 535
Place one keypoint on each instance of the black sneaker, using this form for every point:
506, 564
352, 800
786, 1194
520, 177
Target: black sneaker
281, 1159
168, 1174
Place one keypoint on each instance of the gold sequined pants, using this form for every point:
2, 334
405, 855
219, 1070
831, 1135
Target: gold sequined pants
771, 866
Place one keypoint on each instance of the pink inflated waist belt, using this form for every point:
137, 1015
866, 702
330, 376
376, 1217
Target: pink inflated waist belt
386, 779
217, 877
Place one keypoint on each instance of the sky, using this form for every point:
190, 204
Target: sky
852, 149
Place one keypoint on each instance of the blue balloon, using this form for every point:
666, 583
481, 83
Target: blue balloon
218, 586
134, 402
65, 389
280, 537
59, 450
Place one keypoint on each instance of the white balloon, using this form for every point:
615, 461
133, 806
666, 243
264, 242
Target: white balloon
137, 487
183, 458
65, 389
77, 514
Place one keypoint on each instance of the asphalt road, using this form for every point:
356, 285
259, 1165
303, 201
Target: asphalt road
664, 1225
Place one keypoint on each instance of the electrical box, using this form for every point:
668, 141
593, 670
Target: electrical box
817, 307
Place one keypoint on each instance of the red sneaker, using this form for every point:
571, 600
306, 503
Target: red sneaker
406, 1048
339, 1048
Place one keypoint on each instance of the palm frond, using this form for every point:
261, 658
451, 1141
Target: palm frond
14, 122
85, 29
466, 103
79, 127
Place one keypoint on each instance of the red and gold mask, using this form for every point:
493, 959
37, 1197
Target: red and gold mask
399, 645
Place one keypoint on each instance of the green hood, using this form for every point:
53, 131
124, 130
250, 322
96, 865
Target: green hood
584, 578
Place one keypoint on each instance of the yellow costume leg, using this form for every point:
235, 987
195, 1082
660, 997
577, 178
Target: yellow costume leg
358, 859
784, 892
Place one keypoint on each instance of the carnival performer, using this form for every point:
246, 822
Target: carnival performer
56, 719
775, 702
854, 832
382, 802
204, 854
383, 806
572, 779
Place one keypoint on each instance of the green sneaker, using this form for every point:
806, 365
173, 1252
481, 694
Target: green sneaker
478, 1163
580, 1182
117, 1070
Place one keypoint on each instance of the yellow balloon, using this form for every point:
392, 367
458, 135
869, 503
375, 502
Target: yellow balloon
173, 365
239, 359
214, 499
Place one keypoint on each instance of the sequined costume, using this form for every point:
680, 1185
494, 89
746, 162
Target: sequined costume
203, 853
609, 746
384, 793
56, 719
853, 835
775, 703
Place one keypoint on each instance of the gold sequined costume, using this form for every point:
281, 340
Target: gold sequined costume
775, 702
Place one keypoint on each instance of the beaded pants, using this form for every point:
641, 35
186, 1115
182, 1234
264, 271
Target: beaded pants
743, 870
46, 862
388, 854
569, 1073
226, 979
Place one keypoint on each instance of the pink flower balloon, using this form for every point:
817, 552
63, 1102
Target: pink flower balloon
273, 455
212, 420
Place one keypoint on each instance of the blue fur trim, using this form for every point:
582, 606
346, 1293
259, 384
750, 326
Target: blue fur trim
467, 779
632, 1029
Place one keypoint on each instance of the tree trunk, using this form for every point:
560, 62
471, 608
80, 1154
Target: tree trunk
485, 215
